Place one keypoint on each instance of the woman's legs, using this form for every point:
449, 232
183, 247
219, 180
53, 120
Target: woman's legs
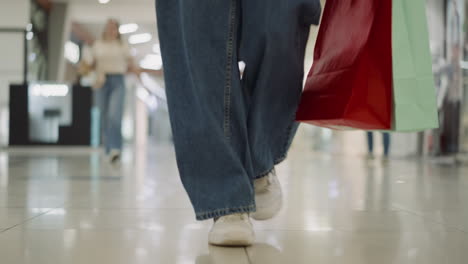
228, 133
273, 41
370, 143
111, 103
115, 113
102, 103
207, 105
386, 143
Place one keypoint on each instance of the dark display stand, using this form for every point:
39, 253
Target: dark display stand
78, 134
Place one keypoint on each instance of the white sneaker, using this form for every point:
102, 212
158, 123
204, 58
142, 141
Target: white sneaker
232, 230
268, 197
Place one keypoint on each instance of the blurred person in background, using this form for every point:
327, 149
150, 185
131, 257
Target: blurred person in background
110, 59
385, 141
231, 130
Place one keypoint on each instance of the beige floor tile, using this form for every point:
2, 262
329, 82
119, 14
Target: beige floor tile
13, 216
72, 246
302, 247
102, 219
454, 219
396, 221
337, 209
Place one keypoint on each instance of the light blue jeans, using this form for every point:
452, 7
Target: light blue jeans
227, 131
385, 140
110, 100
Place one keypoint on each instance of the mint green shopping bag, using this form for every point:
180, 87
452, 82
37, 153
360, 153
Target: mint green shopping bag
414, 93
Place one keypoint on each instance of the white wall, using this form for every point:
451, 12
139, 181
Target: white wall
13, 14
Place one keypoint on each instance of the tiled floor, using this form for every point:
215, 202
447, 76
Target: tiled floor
68, 206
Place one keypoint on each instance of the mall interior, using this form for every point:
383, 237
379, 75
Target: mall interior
62, 200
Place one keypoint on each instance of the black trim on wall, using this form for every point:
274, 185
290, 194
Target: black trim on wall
19, 125
78, 134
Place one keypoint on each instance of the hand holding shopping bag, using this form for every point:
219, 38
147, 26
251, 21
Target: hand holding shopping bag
372, 68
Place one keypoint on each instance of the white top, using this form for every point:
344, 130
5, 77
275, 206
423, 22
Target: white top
111, 57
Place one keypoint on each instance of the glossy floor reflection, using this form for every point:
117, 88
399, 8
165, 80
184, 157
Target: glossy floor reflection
60, 206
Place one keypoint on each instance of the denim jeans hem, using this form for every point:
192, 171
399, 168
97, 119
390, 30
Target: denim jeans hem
284, 152
264, 174
225, 211
277, 161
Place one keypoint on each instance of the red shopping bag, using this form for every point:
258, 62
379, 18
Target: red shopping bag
350, 83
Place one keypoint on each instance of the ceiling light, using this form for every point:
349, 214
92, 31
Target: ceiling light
140, 38
104, 1
128, 28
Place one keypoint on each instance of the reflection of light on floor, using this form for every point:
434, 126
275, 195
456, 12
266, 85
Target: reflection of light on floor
141, 125
327, 135
273, 241
194, 226
4, 117
141, 142
95, 164
69, 239
86, 225
316, 222
333, 189
338, 252
44, 167
413, 252
184, 260
146, 193
153, 227
141, 252
49, 211
3, 170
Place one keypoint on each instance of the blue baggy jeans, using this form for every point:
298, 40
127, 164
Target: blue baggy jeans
110, 100
230, 131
